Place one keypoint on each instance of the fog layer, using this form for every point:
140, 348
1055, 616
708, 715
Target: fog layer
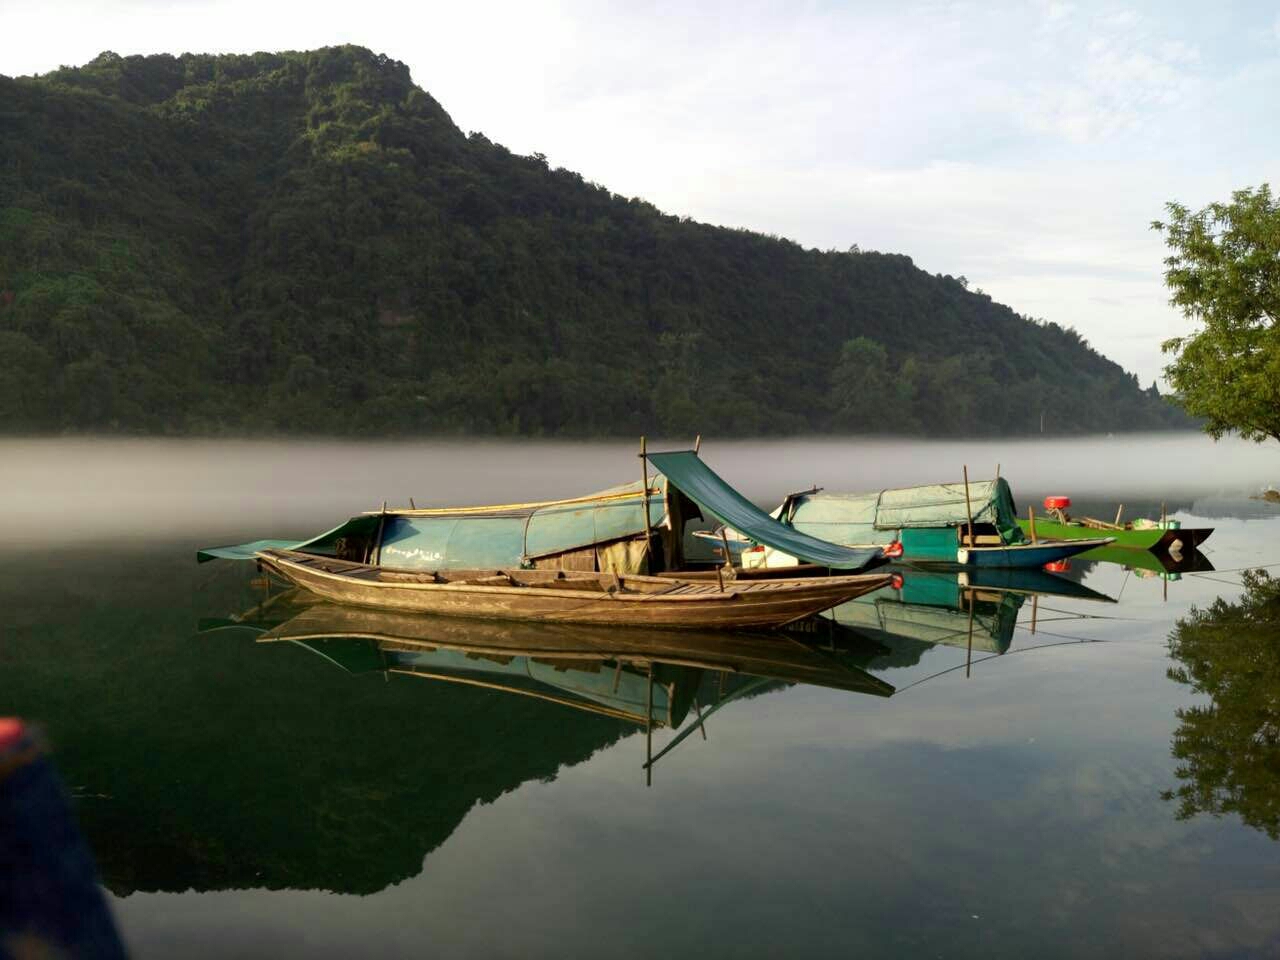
59, 490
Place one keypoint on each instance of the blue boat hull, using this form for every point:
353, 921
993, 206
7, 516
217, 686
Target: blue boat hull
1023, 554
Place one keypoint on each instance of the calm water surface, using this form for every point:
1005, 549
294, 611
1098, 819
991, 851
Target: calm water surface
259, 799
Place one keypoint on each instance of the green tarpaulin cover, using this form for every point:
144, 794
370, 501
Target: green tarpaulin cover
876, 517
704, 487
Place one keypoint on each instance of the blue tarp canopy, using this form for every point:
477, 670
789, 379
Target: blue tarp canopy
323, 544
687, 473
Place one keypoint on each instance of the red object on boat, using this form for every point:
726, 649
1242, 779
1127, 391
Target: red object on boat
1058, 566
896, 581
1057, 503
893, 550
11, 731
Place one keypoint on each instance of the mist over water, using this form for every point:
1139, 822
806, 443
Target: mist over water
60, 489
255, 799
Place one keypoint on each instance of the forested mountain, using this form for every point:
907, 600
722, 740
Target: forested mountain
305, 242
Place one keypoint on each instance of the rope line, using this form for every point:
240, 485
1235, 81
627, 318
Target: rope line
960, 666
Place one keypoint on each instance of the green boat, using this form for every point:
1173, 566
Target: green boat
1157, 538
970, 524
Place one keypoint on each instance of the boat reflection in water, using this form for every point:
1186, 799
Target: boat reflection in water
670, 679
652, 678
976, 609
1144, 563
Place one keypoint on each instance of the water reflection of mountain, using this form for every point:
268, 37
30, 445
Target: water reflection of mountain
279, 772
221, 762
1228, 750
1235, 508
266, 767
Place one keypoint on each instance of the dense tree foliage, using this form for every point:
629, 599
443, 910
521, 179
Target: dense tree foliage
304, 242
1224, 272
1228, 750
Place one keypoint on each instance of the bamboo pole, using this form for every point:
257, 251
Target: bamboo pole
968, 658
1031, 521
382, 522
728, 557
968, 506
997, 471
1035, 608
644, 496
697, 443
1119, 510
697, 708
648, 730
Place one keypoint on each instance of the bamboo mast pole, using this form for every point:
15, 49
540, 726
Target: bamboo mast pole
968, 657
968, 506
644, 496
1031, 521
648, 729
382, 522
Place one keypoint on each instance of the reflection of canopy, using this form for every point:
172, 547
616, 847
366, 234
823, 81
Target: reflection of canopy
933, 606
876, 517
704, 487
993, 621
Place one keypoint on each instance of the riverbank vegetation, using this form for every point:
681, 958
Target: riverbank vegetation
306, 243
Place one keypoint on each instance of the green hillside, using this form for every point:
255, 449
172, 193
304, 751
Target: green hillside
305, 243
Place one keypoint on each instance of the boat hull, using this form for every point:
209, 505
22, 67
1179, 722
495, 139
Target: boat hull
1157, 540
641, 601
1025, 554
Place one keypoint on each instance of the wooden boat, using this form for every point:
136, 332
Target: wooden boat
568, 597
635, 528
1156, 539
949, 524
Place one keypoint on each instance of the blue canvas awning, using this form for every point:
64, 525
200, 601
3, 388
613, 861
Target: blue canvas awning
687, 473
320, 544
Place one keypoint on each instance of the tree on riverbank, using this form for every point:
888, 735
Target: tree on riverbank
1224, 272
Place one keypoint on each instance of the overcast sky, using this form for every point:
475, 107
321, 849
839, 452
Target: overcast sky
1026, 146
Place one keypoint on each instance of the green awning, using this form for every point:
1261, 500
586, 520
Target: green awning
704, 487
